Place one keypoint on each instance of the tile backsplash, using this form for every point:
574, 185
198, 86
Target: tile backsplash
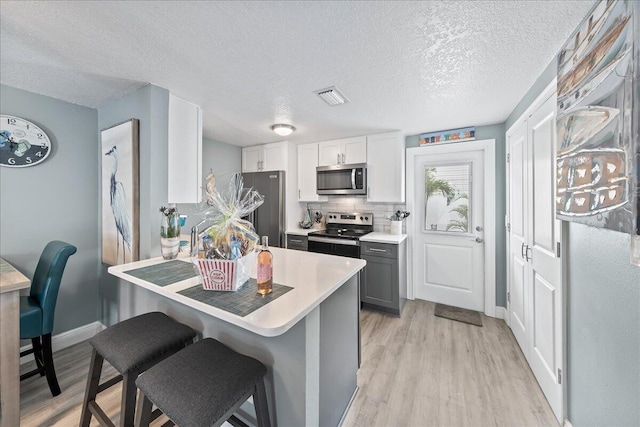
381, 211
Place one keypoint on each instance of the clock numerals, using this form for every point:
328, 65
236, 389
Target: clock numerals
24, 143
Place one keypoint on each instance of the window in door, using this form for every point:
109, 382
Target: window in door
447, 191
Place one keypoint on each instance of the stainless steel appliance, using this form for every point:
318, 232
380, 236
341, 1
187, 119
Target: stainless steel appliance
268, 219
342, 179
342, 235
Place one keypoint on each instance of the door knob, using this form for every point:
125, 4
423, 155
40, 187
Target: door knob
478, 228
479, 240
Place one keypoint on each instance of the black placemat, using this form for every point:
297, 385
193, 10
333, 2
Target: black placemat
165, 273
241, 302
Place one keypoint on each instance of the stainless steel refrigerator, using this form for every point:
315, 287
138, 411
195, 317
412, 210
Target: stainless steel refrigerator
268, 219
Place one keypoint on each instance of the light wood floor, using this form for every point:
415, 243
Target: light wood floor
422, 370
418, 370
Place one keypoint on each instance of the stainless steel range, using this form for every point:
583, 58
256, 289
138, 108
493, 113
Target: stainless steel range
342, 235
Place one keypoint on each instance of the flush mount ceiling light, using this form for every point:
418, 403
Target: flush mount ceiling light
332, 96
282, 129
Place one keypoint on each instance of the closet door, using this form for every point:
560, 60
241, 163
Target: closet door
518, 296
535, 304
543, 257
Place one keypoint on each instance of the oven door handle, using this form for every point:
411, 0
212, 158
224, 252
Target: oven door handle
353, 179
334, 241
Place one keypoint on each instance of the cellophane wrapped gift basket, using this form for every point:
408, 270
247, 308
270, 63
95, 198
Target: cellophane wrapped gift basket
227, 254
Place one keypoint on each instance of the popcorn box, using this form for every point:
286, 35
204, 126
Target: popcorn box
225, 275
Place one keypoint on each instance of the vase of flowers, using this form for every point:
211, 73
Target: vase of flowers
169, 232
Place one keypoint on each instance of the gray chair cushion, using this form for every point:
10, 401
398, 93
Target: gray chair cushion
198, 385
134, 344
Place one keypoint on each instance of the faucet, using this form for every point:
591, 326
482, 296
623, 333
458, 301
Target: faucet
195, 238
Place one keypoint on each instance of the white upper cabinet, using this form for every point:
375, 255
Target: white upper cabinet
343, 151
267, 157
251, 158
307, 163
386, 167
275, 156
184, 151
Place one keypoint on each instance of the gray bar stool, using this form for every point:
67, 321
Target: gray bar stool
202, 385
131, 347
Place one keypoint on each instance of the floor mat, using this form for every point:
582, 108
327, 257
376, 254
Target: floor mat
458, 314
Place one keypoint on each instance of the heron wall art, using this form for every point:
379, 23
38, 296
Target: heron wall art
120, 242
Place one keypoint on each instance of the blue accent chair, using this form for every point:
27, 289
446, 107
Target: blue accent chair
37, 310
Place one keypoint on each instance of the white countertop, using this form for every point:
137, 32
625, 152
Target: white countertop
313, 277
383, 238
302, 231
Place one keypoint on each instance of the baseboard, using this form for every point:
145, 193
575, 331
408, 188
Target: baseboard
67, 339
566, 423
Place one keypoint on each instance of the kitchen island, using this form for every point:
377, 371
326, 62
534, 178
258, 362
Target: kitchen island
308, 337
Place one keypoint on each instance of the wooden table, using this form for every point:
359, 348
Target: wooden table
11, 281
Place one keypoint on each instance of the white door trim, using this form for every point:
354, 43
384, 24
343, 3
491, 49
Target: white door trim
488, 145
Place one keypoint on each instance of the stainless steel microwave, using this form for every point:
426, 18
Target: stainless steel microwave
342, 179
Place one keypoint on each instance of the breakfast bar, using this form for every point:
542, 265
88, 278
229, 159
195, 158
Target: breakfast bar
307, 335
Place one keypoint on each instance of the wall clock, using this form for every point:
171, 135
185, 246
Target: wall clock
22, 143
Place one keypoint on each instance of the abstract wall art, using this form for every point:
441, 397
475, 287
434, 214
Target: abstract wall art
598, 156
120, 193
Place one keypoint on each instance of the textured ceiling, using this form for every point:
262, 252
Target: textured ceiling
414, 66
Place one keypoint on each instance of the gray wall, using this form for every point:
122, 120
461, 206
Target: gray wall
603, 323
496, 132
55, 200
224, 160
150, 105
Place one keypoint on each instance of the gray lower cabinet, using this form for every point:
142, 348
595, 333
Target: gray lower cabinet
384, 279
300, 243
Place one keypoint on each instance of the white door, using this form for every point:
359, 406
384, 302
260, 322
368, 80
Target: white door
534, 264
545, 275
448, 228
518, 295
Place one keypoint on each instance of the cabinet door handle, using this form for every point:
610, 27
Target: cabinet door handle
522, 250
342, 157
295, 241
338, 158
529, 258
298, 193
377, 250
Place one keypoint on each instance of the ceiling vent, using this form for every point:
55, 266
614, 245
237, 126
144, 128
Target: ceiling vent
332, 96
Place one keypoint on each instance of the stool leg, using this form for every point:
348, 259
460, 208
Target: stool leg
128, 402
143, 410
93, 380
47, 355
260, 403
